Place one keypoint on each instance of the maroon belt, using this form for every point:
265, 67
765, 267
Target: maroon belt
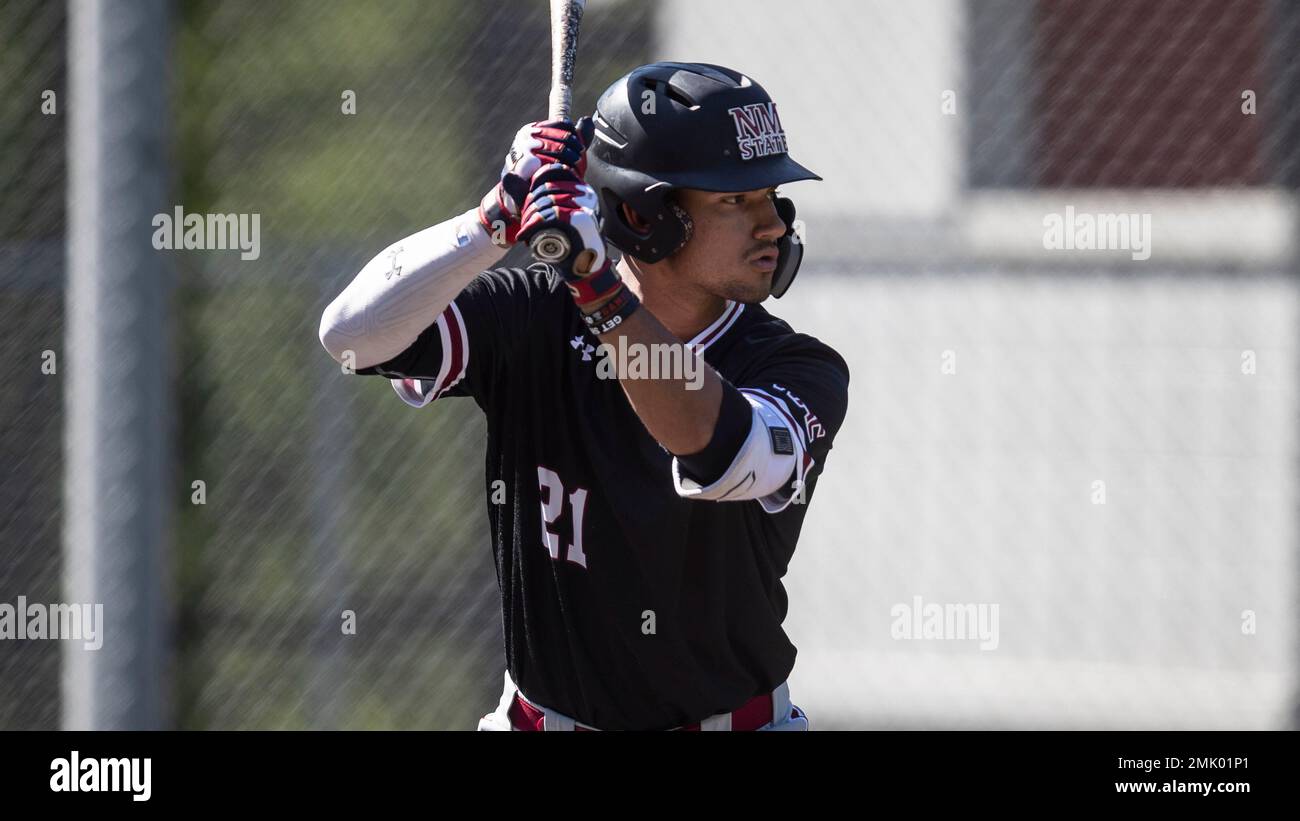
750, 716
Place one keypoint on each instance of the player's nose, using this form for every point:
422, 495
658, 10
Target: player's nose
771, 226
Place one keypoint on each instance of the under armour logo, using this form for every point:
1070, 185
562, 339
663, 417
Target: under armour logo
396, 270
580, 344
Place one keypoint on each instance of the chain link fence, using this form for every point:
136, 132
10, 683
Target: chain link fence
325, 493
1100, 443
32, 177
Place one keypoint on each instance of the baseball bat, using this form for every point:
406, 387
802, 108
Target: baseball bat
566, 17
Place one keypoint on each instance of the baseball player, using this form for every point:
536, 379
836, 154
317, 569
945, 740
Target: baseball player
649, 513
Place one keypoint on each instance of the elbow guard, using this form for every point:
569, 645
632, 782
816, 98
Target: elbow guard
770, 465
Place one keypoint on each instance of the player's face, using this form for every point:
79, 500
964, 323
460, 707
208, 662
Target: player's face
732, 252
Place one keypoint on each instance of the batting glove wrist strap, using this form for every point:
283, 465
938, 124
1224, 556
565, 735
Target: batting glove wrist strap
612, 314
495, 215
593, 287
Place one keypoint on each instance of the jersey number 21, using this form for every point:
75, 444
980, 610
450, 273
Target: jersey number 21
552, 490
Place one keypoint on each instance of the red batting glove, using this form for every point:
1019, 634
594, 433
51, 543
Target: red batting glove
535, 145
560, 200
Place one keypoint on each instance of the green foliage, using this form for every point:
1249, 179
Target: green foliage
261, 122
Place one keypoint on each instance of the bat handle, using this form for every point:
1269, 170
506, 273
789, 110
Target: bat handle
566, 19
550, 246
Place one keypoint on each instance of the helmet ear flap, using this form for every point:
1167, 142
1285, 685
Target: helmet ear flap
668, 224
789, 250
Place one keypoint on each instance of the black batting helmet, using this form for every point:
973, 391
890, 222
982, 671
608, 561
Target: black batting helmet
665, 126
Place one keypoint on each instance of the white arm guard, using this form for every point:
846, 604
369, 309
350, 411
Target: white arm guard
770, 466
405, 288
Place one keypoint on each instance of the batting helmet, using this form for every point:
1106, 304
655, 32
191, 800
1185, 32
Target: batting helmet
666, 126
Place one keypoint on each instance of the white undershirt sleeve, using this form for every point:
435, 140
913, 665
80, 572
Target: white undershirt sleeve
404, 289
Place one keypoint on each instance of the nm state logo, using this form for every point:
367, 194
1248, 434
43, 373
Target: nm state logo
758, 130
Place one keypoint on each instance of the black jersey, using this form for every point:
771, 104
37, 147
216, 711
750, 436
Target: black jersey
624, 605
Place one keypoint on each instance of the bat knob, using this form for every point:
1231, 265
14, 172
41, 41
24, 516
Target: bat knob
550, 246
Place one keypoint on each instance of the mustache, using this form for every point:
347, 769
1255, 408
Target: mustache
760, 248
